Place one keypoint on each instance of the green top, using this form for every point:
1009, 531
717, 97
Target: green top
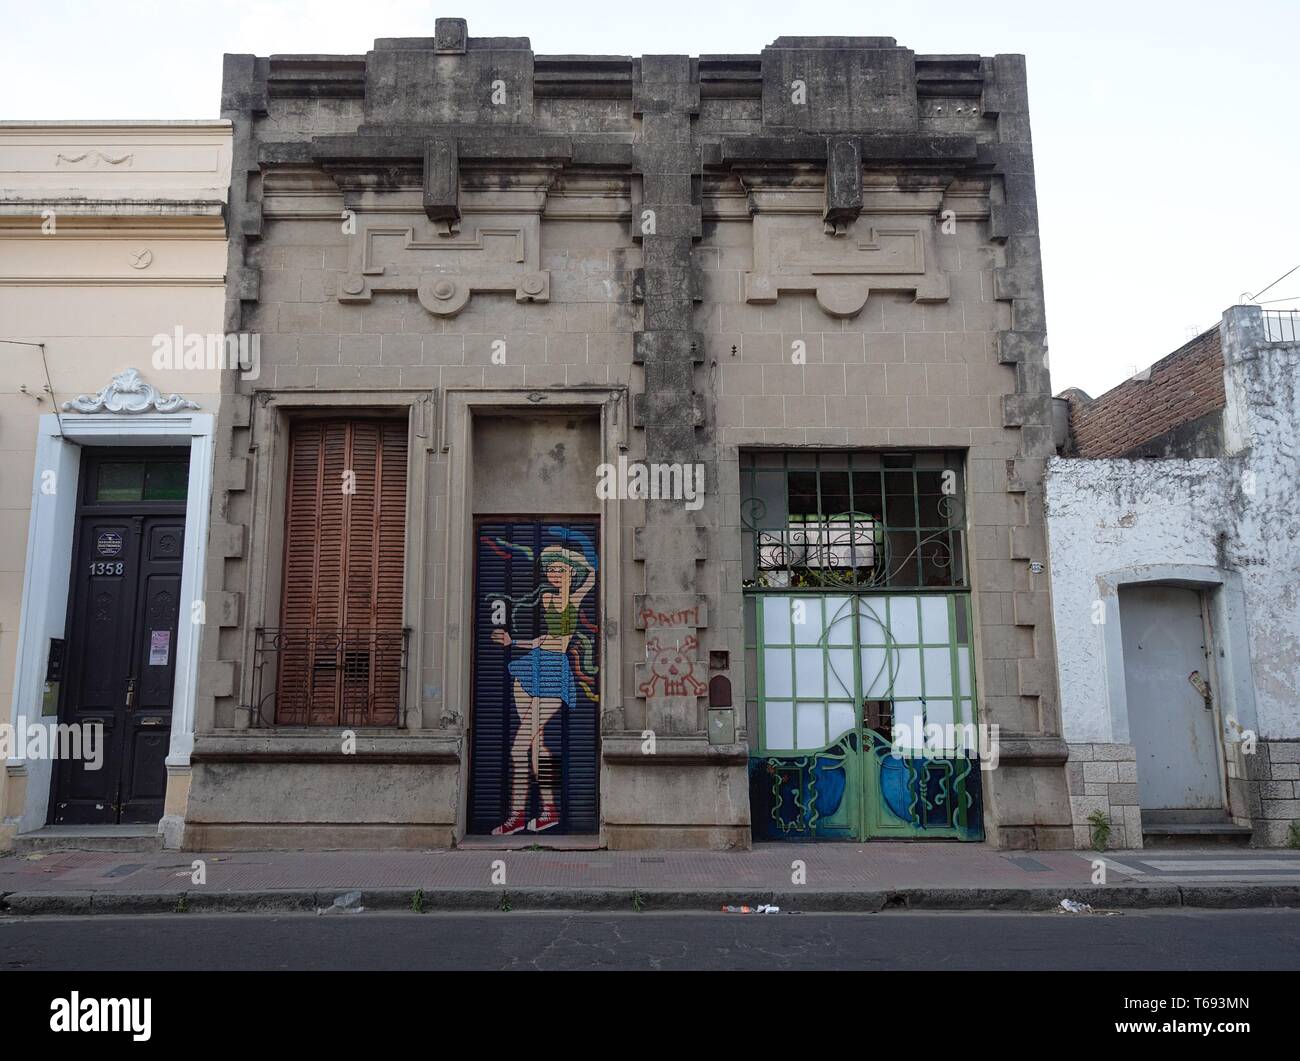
561, 623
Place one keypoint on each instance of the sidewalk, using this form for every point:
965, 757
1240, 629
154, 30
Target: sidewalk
850, 877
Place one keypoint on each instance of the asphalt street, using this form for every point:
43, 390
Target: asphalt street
1183, 940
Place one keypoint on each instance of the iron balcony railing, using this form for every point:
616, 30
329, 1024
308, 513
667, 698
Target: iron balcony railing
329, 676
1281, 325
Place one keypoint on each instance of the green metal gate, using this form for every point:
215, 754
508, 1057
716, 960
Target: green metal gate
867, 718
859, 634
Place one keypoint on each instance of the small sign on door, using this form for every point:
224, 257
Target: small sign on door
160, 644
109, 543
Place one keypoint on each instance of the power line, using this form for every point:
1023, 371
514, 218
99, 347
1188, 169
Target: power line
1255, 296
49, 384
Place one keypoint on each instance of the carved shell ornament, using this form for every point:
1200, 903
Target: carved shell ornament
127, 392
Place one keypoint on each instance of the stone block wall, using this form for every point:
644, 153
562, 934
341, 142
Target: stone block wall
1103, 777
648, 237
1272, 792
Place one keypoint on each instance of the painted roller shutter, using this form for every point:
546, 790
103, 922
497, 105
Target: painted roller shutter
508, 568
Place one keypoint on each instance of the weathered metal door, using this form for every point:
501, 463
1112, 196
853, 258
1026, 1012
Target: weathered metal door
533, 764
1171, 721
122, 625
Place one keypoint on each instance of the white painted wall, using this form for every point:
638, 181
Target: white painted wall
111, 234
1106, 516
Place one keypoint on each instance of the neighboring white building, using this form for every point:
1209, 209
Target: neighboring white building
111, 235
1175, 562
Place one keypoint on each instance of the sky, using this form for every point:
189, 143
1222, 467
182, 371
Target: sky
1166, 138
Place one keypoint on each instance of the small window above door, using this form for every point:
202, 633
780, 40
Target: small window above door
148, 479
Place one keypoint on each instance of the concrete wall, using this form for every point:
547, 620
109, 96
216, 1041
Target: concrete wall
1228, 524
545, 463
647, 238
110, 234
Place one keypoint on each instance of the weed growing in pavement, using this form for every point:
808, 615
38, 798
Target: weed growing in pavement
1100, 823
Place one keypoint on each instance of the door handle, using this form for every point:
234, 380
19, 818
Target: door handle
130, 692
1203, 687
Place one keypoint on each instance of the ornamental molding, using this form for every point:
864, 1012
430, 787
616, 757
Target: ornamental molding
93, 159
871, 253
128, 393
844, 233
445, 266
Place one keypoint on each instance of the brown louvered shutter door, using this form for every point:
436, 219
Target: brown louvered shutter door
390, 571
341, 621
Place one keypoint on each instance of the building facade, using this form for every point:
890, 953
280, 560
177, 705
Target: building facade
112, 258
639, 445
1175, 573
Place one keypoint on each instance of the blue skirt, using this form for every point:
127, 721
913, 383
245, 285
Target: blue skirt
546, 673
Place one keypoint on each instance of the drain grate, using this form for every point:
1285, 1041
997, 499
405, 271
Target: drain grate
124, 871
1029, 865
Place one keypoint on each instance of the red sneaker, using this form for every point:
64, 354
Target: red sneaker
514, 824
548, 819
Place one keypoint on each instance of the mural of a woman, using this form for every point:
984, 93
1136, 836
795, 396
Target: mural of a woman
551, 670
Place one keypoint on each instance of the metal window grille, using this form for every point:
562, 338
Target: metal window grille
316, 676
853, 520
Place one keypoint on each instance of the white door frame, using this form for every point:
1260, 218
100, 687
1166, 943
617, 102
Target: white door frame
48, 569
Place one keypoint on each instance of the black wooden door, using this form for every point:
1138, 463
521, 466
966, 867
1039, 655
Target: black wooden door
123, 622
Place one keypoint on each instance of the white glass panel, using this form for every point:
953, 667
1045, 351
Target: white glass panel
967, 739
839, 621
841, 720
970, 731
809, 609
963, 669
776, 620
934, 620
872, 621
938, 671
810, 679
939, 713
909, 725
876, 666
778, 718
840, 671
907, 680
811, 723
777, 679
903, 625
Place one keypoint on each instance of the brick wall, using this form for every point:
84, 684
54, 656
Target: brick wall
1178, 389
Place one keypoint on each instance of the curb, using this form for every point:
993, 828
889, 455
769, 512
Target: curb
284, 901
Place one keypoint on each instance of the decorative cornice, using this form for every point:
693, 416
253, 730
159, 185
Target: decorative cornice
67, 130
127, 392
20, 210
